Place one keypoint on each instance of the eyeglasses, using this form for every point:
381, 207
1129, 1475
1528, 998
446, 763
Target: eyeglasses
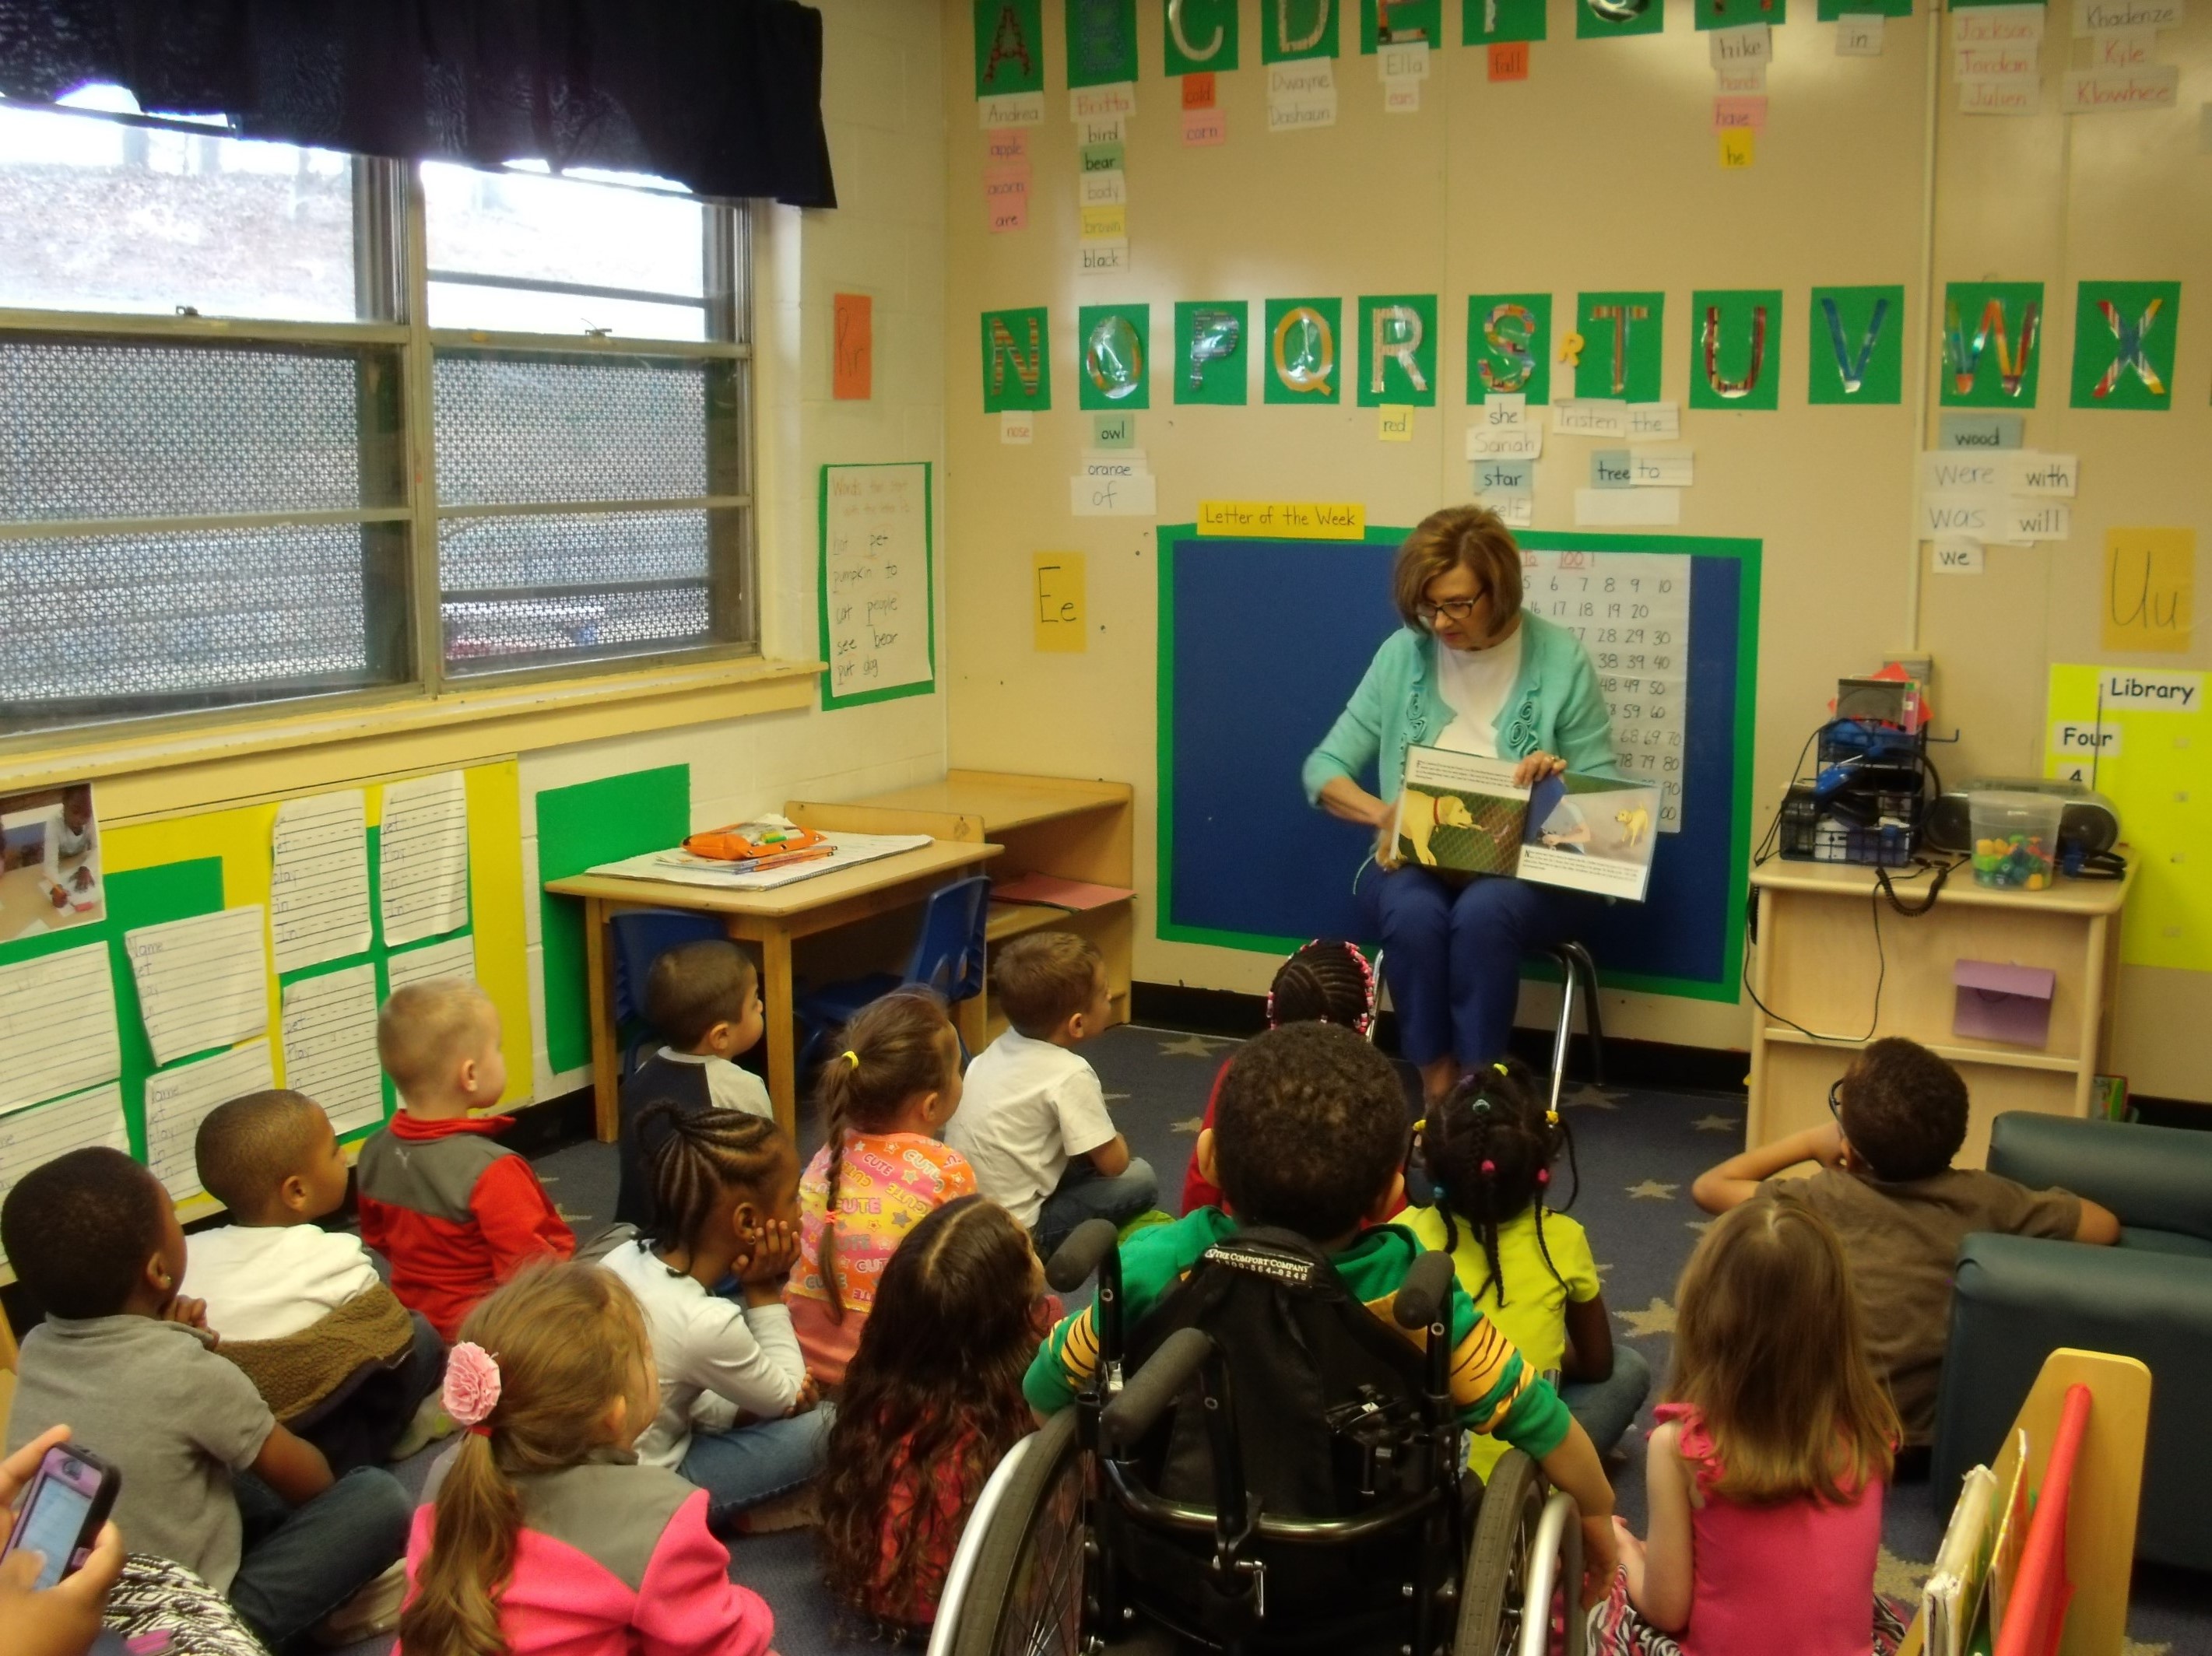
1836, 1098
1450, 609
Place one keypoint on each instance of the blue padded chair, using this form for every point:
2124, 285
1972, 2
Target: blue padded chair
642, 936
948, 957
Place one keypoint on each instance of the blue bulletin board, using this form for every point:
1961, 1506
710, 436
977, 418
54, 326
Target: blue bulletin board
1262, 643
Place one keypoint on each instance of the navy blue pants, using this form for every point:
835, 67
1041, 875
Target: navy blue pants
1452, 954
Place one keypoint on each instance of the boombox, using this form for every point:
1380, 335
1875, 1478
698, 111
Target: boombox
2089, 824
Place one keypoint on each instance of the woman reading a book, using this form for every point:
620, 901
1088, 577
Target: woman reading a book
1471, 673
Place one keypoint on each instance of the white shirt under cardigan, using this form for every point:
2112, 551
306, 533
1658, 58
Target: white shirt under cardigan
715, 1357
1025, 1108
1473, 684
265, 1281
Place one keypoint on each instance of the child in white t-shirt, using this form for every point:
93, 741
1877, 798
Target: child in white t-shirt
1033, 1120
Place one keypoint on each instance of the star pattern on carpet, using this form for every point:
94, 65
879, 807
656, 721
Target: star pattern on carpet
1602, 1269
1652, 1190
1657, 1318
1718, 1123
1901, 1578
2136, 1648
1193, 1045
1189, 1124
1701, 1226
1587, 1097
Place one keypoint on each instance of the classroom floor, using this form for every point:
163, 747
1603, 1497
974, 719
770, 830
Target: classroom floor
1638, 1151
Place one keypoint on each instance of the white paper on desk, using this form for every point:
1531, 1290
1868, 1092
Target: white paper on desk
56, 1026
423, 857
202, 982
329, 1046
684, 869
319, 884
1609, 506
178, 1100
35, 1134
456, 957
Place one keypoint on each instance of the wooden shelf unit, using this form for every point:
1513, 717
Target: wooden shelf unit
1065, 826
1817, 963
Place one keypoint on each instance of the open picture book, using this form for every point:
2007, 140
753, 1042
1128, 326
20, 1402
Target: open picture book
1463, 814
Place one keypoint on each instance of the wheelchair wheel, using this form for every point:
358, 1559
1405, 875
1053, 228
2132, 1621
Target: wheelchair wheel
1518, 1525
1023, 1595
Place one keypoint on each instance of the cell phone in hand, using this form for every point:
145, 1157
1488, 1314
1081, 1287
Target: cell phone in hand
69, 1498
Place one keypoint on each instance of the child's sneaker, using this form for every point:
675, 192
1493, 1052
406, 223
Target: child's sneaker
430, 1423
369, 1614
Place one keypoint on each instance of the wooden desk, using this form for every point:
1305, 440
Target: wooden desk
1065, 826
772, 919
1817, 964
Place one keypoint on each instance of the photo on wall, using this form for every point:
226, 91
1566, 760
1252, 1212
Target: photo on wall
49, 861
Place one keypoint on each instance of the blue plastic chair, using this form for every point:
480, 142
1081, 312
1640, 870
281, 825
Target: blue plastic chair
948, 957
642, 936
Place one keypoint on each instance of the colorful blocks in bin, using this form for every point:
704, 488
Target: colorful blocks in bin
2018, 862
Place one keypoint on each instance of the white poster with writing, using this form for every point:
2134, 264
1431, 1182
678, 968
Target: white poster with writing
1631, 612
878, 582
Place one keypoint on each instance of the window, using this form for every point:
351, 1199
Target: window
253, 447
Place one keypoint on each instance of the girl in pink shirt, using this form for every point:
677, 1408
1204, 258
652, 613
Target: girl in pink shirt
541, 1535
1767, 1468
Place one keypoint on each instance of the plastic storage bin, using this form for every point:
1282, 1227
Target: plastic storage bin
2015, 839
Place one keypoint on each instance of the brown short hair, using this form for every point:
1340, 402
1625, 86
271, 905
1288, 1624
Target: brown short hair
695, 986
424, 1028
248, 1147
1045, 979
1903, 1109
1471, 535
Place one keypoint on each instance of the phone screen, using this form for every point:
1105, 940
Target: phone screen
52, 1525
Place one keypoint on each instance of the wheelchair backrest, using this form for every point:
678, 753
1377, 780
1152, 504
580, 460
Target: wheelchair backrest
1326, 1395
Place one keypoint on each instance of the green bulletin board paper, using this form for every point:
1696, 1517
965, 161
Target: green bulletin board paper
1602, 20
1201, 34
1637, 324
1848, 358
1744, 371
1114, 347
578, 828
1517, 19
1385, 376
1409, 19
1221, 379
1292, 29
149, 896
1509, 346
1102, 42
1740, 14
1009, 47
1315, 339
1832, 11
1992, 343
1017, 360
2124, 335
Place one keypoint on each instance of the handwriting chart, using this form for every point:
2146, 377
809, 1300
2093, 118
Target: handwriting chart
878, 632
1631, 612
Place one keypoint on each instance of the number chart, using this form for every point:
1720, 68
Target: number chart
1631, 612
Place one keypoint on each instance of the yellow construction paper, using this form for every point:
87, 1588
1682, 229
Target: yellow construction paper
1105, 223
1286, 520
1056, 600
2150, 589
1396, 423
1739, 147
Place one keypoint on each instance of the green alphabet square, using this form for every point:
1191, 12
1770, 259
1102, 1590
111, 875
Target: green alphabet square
1304, 347
1017, 360
1292, 29
1407, 19
1398, 350
2124, 335
1622, 345
1736, 13
1199, 34
1516, 20
1209, 364
1115, 367
1102, 42
1601, 20
1735, 348
1992, 344
1855, 352
1509, 346
1009, 47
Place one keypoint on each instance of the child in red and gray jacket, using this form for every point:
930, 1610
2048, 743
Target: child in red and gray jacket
454, 1213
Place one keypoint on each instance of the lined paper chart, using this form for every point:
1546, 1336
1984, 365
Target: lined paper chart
1631, 612
56, 1026
424, 858
318, 882
456, 957
178, 1100
202, 982
35, 1134
329, 1046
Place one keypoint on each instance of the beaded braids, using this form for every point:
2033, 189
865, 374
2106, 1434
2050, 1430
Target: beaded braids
701, 1155
895, 1047
1328, 981
1489, 1149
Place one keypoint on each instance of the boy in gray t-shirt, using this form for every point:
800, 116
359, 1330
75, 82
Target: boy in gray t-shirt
126, 1361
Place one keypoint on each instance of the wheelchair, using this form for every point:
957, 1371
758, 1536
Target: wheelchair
1272, 1470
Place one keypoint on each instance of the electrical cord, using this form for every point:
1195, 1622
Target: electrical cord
1883, 890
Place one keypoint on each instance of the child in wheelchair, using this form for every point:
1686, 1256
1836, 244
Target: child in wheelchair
1295, 1284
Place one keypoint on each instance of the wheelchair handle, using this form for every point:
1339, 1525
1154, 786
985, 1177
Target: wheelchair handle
1075, 1260
1423, 1296
1157, 1385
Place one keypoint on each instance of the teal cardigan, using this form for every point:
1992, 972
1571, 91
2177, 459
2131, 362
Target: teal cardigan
1554, 706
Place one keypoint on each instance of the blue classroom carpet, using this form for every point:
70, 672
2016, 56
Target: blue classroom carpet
1639, 1151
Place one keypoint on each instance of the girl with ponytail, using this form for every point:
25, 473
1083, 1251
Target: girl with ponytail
1489, 1150
542, 1532
725, 1204
884, 1101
